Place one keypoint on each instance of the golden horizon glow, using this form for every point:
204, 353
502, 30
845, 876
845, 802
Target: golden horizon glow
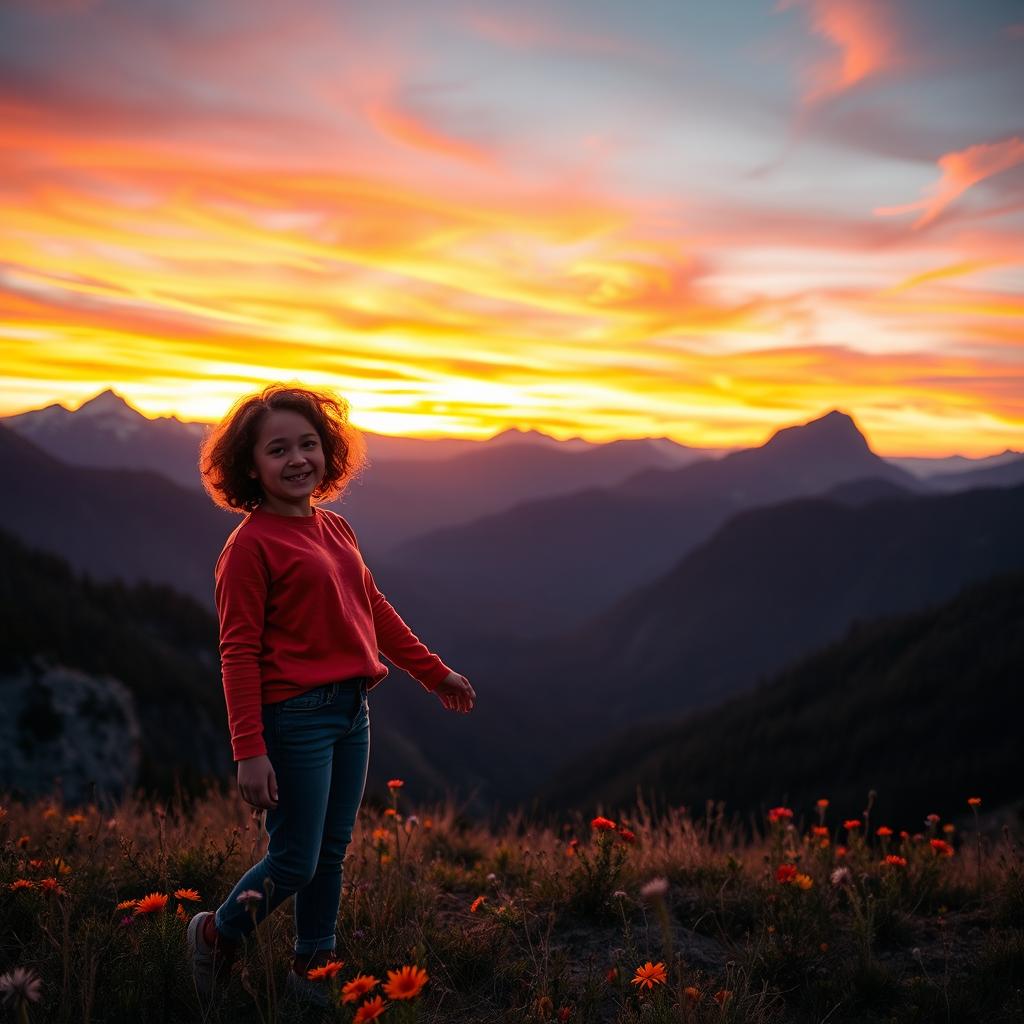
501, 229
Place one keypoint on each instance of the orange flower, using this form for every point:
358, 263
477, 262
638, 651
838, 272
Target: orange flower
692, 993
395, 783
186, 894
381, 835
883, 830
603, 824
354, 990
51, 885
611, 975
940, 846
151, 904
974, 801
650, 975
895, 861
722, 996
75, 819
803, 882
62, 866
851, 823
180, 913
626, 835
777, 814
127, 904
21, 883
328, 970
785, 873
370, 1010
390, 812
949, 828
477, 904
840, 852
820, 831
822, 803
406, 983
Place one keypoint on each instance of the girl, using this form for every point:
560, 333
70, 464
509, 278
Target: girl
301, 625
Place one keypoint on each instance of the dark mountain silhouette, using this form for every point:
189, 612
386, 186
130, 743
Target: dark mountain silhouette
865, 491
161, 645
924, 708
1005, 474
924, 467
400, 499
129, 524
558, 561
770, 585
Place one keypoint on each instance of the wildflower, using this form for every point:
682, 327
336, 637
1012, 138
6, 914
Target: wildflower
940, 846
654, 889
841, 876
411, 822
722, 996
390, 812
840, 852
777, 814
35, 865
477, 904
327, 970
406, 983
395, 783
822, 804
370, 1010
180, 913
62, 866
883, 830
785, 873
564, 1014
126, 905
904, 834
428, 823
851, 823
650, 975
819, 831
804, 882
150, 904
21, 883
50, 812
931, 819
354, 990
895, 861
21, 983
600, 824
949, 828
186, 894
626, 835
611, 975
570, 850
75, 819
692, 993
381, 835
974, 801
249, 896
52, 885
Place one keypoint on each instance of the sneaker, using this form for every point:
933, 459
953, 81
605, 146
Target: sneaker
210, 964
312, 993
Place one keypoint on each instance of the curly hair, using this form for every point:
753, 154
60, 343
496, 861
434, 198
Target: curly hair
226, 453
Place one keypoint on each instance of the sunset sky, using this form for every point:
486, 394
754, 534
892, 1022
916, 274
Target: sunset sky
702, 220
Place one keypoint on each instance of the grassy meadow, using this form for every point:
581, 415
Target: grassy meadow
816, 914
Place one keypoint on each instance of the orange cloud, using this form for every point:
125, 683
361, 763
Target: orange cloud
863, 34
960, 170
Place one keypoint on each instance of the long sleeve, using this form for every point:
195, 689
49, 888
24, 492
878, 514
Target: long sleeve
242, 584
397, 642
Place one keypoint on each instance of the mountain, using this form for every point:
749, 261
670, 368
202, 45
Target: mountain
545, 566
400, 499
924, 708
107, 433
772, 584
1007, 473
924, 468
139, 663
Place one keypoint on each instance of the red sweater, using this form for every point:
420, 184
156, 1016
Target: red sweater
299, 608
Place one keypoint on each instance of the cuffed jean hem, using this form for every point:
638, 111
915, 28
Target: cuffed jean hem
306, 947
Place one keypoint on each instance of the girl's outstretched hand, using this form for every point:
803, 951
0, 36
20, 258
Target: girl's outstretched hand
456, 693
257, 782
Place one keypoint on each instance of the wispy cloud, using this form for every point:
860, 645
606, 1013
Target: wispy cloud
960, 171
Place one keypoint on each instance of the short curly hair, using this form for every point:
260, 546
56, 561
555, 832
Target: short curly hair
226, 453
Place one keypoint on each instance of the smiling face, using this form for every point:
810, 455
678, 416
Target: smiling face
288, 461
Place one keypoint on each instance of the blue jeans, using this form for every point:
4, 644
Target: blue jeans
319, 746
